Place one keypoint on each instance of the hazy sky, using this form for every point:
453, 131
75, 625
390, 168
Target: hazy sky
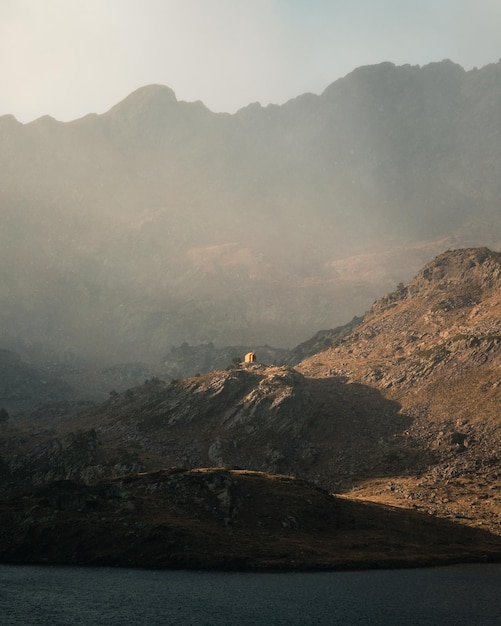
67, 58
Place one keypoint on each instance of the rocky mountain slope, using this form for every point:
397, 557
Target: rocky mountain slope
160, 222
434, 347
403, 408
265, 418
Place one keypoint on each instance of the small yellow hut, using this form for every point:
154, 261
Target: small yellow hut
250, 357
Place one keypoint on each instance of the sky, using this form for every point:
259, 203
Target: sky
67, 58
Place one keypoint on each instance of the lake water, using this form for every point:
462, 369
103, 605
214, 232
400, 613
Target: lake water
32, 596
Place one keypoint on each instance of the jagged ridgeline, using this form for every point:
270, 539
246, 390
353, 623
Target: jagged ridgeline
160, 222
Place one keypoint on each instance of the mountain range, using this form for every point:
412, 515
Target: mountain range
159, 222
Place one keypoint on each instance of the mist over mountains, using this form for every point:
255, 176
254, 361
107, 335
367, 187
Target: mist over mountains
160, 222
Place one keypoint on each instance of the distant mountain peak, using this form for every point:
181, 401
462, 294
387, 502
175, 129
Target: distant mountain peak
10, 120
145, 99
44, 121
154, 90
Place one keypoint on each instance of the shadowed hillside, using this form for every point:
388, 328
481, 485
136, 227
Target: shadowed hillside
215, 518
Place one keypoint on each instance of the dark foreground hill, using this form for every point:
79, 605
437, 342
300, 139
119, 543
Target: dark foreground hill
217, 518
